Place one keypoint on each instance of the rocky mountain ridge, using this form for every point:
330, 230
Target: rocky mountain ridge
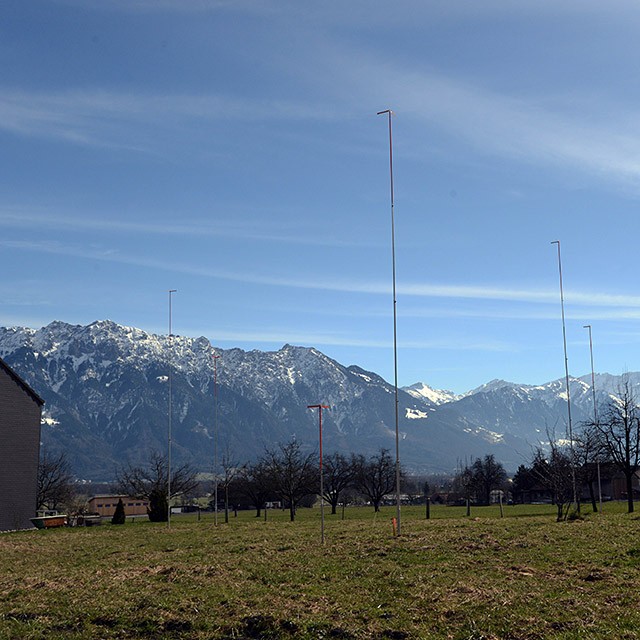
106, 393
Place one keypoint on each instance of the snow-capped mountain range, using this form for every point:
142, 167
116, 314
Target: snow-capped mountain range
106, 392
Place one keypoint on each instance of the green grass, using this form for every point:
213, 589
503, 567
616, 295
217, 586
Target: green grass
523, 576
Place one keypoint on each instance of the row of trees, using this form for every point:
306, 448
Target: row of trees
286, 475
610, 442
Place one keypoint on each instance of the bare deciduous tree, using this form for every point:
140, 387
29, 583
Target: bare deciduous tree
294, 474
464, 485
231, 471
55, 481
339, 475
150, 483
255, 483
589, 453
375, 477
554, 471
618, 429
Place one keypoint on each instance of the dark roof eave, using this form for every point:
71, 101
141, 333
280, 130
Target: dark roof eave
20, 382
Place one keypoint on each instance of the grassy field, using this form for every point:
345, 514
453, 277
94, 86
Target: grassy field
523, 576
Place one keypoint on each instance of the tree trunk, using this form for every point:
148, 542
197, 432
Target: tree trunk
629, 478
292, 511
592, 495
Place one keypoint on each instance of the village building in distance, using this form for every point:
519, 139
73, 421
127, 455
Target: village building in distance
105, 505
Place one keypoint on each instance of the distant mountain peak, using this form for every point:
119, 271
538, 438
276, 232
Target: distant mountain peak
435, 396
494, 385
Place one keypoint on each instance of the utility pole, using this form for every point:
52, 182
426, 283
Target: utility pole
395, 320
171, 291
595, 410
215, 438
566, 370
320, 407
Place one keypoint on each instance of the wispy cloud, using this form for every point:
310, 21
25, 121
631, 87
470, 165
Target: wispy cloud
580, 132
362, 12
246, 227
105, 118
343, 285
532, 313
525, 129
546, 296
171, 6
323, 339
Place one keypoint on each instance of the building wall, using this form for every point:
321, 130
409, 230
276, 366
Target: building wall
20, 416
106, 505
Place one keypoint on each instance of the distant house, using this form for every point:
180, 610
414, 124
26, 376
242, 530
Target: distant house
106, 505
614, 485
20, 416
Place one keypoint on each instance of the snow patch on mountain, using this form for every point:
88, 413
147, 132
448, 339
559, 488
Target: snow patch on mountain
415, 414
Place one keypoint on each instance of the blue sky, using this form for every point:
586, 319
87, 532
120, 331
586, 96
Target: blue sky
231, 151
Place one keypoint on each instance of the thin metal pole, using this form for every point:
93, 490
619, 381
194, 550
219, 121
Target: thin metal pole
320, 407
215, 438
595, 410
395, 321
171, 291
566, 370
